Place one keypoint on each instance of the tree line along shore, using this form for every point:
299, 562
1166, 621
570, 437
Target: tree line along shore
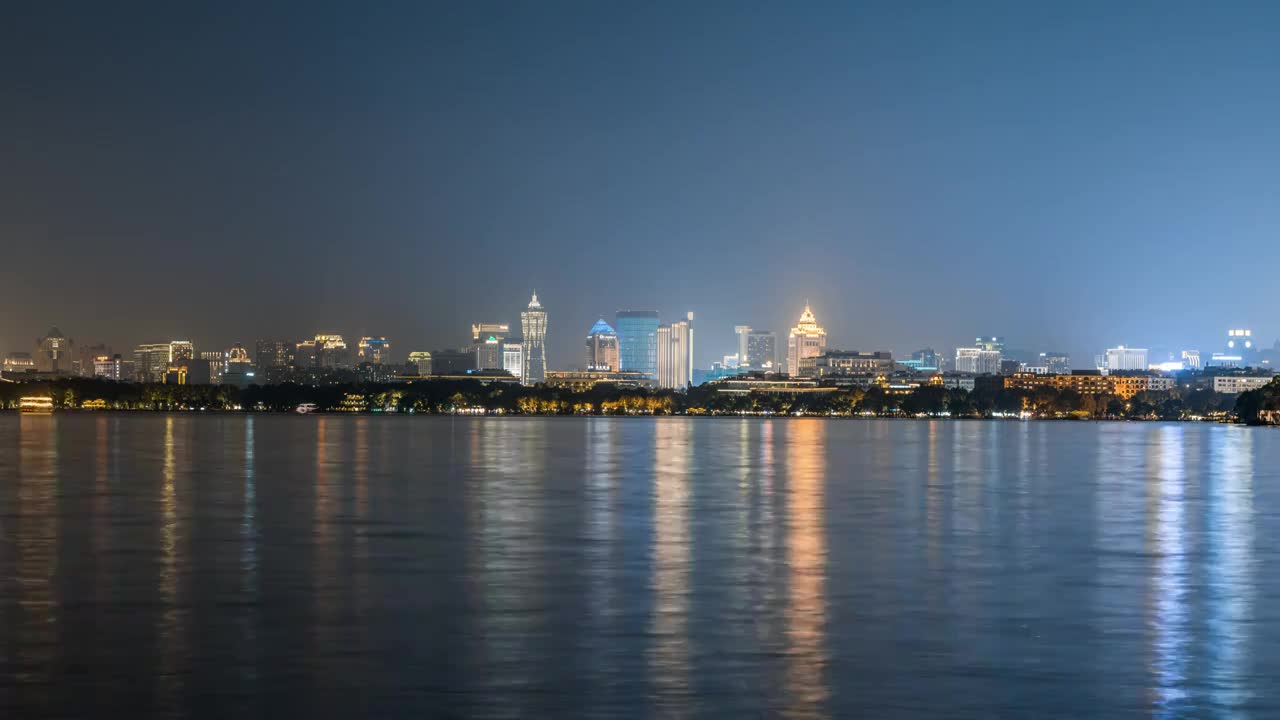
441, 397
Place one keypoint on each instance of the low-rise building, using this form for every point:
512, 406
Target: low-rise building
1092, 383
578, 380
836, 363
1236, 384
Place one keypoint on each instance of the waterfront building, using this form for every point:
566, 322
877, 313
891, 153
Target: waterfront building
766, 383
977, 361
421, 359
1235, 384
513, 358
533, 325
54, 353
675, 354
1123, 385
761, 351
807, 339
1123, 359
602, 347
483, 331
579, 380
837, 363
373, 349
18, 363
151, 361
637, 341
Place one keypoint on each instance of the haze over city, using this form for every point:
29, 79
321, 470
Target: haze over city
1070, 178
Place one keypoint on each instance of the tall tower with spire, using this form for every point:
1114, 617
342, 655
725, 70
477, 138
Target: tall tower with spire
806, 340
533, 323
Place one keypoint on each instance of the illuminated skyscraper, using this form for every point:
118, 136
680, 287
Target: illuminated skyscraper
421, 359
483, 331
373, 350
1123, 358
602, 347
744, 341
978, 361
151, 362
513, 359
488, 353
675, 354
762, 353
638, 341
180, 350
533, 323
805, 340
331, 352
273, 353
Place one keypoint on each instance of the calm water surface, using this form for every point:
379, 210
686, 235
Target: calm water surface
282, 566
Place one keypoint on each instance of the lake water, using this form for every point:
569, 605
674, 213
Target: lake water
320, 566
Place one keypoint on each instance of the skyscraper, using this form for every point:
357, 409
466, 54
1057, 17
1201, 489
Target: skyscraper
483, 331
602, 347
638, 341
151, 362
978, 361
421, 359
180, 350
488, 353
533, 323
1123, 358
513, 359
273, 353
373, 349
762, 353
744, 342
805, 340
675, 354
331, 352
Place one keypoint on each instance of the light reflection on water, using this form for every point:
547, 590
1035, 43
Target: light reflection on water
332, 566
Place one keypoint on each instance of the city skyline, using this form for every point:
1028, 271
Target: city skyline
916, 176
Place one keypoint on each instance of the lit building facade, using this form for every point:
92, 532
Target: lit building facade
1125, 359
1191, 359
488, 353
273, 353
533, 324
675, 354
992, 344
421, 359
837, 363
513, 359
1234, 384
17, 363
109, 367
926, 360
151, 362
743, 332
762, 351
805, 340
602, 347
483, 331
54, 353
638, 341
217, 365
237, 367
331, 352
1092, 383
373, 349
1056, 363
180, 350
977, 361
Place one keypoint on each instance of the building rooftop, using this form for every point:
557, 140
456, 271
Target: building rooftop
602, 328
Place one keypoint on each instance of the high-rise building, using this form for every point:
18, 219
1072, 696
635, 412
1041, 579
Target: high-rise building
513, 358
1056, 363
1240, 350
109, 367
306, 354
761, 350
675, 354
926, 360
217, 365
1191, 359
85, 357
805, 340
488, 353
151, 362
533, 323
331, 352
744, 342
421, 359
452, 362
54, 353
1121, 359
638, 341
238, 367
180, 350
373, 349
483, 331
273, 353
977, 361
602, 347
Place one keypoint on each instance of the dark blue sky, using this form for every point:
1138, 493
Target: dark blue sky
1071, 176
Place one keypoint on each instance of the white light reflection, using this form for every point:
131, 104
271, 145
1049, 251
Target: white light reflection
1166, 486
1231, 561
669, 656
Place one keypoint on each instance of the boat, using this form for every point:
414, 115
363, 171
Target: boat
36, 405
305, 408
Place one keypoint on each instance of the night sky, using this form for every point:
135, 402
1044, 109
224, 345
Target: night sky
1070, 176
